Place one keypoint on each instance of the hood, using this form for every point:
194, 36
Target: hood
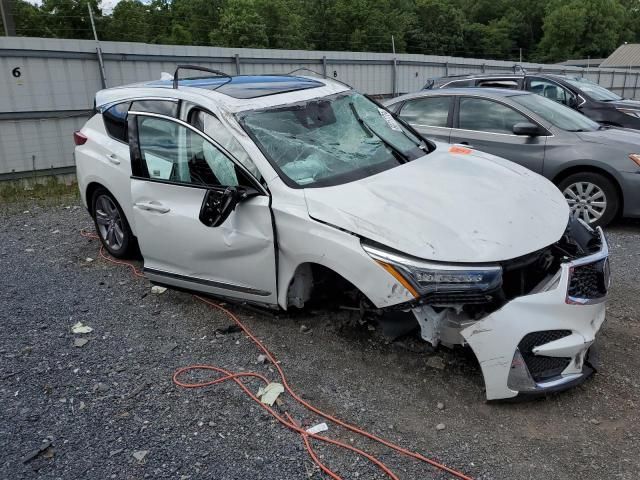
625, 104
614, 137
448, 207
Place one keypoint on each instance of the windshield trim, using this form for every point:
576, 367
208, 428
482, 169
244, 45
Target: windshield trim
575, 83
335, 180
546, 120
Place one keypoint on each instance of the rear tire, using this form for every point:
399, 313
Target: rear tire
111, 224
591, 197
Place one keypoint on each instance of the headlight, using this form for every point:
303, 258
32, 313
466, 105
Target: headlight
627, 111
424, 278
635, 158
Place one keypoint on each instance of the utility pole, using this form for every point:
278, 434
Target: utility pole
521, 55
7, 18
393, 45
103, 76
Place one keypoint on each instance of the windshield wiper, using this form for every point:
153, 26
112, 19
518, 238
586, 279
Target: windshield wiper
422, 143
365, 126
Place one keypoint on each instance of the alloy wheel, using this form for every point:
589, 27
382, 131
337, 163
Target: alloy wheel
109, 222
586, 201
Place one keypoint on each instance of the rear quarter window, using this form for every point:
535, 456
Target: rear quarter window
115, 121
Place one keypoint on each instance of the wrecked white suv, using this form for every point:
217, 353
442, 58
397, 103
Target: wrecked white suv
273, 189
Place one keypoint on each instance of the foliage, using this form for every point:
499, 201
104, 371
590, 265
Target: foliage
544, 30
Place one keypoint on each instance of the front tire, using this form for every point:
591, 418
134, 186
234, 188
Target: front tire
111, 224
592, 197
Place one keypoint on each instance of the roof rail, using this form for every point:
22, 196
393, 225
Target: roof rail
217, 73
305, 69
518, 66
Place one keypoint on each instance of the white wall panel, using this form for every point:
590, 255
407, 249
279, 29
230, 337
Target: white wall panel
63, 75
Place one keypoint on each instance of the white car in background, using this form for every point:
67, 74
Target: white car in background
274, 189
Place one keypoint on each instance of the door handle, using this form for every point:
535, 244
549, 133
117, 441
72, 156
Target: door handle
151, 206
112, 157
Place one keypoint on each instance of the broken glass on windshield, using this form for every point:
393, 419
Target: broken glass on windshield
331, 140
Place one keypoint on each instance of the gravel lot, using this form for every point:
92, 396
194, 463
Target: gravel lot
101, 403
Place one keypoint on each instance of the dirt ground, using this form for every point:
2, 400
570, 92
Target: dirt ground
108, 409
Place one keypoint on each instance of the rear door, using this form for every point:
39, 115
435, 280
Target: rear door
174, 165
431, 116
487, 125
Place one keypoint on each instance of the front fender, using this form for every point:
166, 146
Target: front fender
303, 240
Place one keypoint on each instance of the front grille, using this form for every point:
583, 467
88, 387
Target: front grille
589, 282
540, 367
452, 298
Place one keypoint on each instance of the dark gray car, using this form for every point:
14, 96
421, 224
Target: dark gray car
596, 167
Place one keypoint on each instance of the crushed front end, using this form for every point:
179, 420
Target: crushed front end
530, 321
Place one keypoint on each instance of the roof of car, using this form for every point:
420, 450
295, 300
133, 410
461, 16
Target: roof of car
479, 91
469, 76
244, 86
234, 93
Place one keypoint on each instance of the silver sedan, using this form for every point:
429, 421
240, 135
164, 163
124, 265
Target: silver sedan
597, 168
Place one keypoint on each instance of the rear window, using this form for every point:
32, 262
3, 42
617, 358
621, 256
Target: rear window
512, 84
115, 121
428, 112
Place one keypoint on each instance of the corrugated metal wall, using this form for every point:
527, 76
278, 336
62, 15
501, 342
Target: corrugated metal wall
48, 85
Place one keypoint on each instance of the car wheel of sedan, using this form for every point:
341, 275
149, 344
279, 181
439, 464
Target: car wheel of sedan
111, 224
591, 197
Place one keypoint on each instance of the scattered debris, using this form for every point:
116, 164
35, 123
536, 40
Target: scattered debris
29, 250
233, 328
262, 359
88, 259
168, 347
436, 362
270, 393
55, 231
440, 426
140, 454
304, 329
80, 328
158, 290
115, 452
45, 447
80, 342
321, 427
440, 406
100, 387
594, 421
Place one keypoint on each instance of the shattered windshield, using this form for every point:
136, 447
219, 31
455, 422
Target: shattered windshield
331, 140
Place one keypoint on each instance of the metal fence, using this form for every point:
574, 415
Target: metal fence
48, 85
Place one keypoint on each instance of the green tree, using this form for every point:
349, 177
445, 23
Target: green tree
70, 18
438, 28
581, 28
241, 26
129, 22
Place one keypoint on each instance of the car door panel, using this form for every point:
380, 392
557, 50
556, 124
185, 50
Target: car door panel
524, 150
234, 259
239, 254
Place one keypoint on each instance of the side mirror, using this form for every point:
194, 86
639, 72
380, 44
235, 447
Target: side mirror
573, 102
528, 129
218, 203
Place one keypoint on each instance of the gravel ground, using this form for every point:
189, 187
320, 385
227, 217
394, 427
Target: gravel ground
91, 411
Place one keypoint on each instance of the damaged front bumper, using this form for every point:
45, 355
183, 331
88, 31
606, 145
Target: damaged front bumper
536, 343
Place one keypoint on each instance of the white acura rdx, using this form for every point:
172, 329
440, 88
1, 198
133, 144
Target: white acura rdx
271, 189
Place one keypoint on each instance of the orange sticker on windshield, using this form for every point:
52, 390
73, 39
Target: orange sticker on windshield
459, 149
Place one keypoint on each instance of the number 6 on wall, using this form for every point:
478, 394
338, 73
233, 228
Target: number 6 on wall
16, 72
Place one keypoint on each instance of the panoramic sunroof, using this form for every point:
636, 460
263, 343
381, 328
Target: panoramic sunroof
247, 86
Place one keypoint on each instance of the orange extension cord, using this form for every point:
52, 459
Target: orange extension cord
287, 421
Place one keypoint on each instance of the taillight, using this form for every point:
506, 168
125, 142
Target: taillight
79, 138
